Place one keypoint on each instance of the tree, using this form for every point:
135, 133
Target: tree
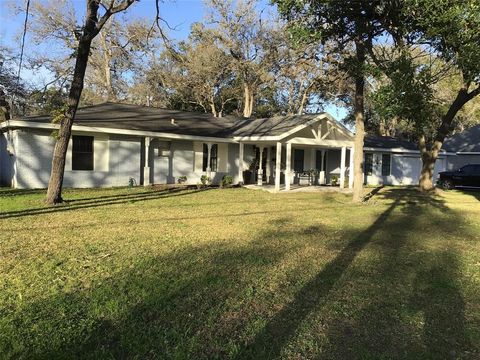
244, 36
349, 24
94, 23
117, 53
198, 74
434, 72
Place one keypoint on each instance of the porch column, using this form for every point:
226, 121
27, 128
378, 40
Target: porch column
268, 169
342, 167
321, 179
209, 155
278, 160
288, 161
240, 163
146, 168
350, 170
260, 169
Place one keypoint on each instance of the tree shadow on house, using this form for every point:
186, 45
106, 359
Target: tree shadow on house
218, 301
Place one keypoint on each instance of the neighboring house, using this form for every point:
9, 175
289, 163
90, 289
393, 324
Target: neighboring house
112, 143
463, 148
390, 161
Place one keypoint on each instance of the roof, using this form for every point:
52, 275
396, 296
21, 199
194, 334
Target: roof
466, 141
387, 142
143, 118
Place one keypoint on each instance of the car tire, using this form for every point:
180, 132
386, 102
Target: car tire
447, 184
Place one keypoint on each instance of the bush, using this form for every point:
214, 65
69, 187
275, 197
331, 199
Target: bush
182, 179
227, 181
205, 180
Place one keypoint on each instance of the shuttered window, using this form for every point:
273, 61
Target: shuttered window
82, 153
386, 164
213, 157
368, 164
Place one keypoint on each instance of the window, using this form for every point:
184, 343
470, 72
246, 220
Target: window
82, 153
213, 157
368, 164
298, 156
386, 161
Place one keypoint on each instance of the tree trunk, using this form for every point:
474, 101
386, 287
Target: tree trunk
54, 192
359, 125
247, 101
429, 156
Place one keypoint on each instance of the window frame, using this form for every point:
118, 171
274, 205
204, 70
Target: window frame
389, 164
368, 173
295, 160
78, 154
213, 157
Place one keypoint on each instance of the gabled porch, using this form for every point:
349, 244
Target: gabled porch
318, 153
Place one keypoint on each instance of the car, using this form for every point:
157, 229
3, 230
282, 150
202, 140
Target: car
466, 176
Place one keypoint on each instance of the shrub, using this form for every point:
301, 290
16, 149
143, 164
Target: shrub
182, 179
205, 180
227, 180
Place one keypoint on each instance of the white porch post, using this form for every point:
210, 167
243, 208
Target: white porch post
288, 161
268, 169
350, 170
146, 169
209, 155
240, 163
278, 160
321, 179
342, 167
260, 168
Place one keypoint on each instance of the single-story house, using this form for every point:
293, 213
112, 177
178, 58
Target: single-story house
112, 143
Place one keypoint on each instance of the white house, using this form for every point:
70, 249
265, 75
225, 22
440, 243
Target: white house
112, 143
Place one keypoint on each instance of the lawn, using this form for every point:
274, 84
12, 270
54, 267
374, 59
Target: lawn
237, 274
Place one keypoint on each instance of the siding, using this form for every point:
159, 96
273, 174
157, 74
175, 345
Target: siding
456, 161
116, 159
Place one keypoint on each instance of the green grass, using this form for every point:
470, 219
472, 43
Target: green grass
147, 274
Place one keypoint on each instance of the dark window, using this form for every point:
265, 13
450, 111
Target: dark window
213, 157
298, 156
386, 160
368, 164
82, 153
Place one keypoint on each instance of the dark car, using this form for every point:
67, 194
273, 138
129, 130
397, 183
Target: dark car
466, 176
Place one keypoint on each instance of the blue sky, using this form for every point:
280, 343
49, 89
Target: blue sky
179, 14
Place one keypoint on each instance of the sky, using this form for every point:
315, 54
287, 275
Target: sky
179, 14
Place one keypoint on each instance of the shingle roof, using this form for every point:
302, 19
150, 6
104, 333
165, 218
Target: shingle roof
136, 117
466, 141
387, 142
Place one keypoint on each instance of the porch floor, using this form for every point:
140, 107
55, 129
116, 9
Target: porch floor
298, 188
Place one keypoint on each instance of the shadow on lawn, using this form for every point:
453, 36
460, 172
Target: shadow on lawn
207, 302
94, 202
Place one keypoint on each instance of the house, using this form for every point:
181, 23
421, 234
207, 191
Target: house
463, 148
112, 143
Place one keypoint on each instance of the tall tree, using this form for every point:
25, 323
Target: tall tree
349, 23
94, 23
434, 72
116, 54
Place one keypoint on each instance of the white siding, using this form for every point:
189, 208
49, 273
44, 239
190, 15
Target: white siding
115, 161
